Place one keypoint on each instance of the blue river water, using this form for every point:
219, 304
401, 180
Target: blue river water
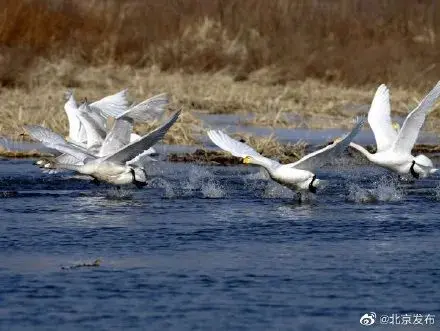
215, 248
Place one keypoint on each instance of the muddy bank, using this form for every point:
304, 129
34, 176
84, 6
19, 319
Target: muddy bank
289, 154
208, 157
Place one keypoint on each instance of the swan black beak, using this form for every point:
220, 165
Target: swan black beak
311, 187
413, 172
137, 183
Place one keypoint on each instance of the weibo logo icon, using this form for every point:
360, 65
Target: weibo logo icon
368, 319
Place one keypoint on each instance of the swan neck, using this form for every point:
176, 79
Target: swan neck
263, 161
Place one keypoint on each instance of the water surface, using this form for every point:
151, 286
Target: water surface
215, 248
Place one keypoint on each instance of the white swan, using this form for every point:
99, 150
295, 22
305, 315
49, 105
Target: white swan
298, 176
394, 146
116, 103
115, 168
99, 142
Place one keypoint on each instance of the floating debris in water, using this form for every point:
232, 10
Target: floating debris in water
8, 194
96, 263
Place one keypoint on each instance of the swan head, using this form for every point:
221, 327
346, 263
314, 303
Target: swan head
313, 184
247, 160
335, 141
422, 166
41, 162
423, 161
139, 177
49, 165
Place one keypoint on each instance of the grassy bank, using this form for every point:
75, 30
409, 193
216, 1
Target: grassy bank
215, 93
317, 104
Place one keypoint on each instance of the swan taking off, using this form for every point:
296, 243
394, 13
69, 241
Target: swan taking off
119, 167
298, 176
394, 146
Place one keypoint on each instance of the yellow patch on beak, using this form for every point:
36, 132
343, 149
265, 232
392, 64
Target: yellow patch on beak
247, 159
396, 126
337, 140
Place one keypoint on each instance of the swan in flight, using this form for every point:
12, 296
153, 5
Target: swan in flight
117, 168
298, 176
394, 146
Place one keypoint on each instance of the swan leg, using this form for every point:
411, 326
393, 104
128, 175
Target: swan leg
96, 182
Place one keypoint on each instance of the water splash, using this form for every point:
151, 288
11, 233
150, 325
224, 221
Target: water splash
118, 194
383, 190
274, 190
212, 190
163, 184
437, 193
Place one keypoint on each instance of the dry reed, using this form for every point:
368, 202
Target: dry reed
350, 41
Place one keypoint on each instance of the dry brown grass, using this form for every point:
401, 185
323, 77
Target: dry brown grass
316, 104
319, 60
354, 42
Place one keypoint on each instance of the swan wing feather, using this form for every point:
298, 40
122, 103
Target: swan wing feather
379, 118
325, 155
148, 110
113, 105
236, 148
53, 140
137, 147
414, 121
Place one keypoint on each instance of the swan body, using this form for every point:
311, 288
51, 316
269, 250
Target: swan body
394, 145
298, 176
286, 175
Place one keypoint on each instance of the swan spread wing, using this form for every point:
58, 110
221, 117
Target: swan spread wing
112, 105
67, 159
98, 118
55, 141
230, 145
137, 147
142, 159
117, 137
95, 134
72, 112
147, 110
325, 155
237, 148
379, 118
414, 121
